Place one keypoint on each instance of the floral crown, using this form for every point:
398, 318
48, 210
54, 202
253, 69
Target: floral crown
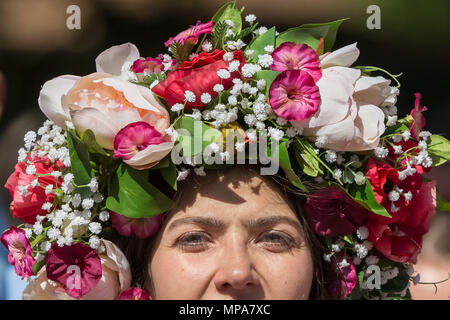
229, 91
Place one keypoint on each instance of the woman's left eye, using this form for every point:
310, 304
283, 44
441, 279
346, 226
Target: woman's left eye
277, 240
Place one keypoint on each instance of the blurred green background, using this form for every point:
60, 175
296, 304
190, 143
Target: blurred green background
35, 46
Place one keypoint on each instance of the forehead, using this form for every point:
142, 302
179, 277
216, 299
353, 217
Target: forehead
234, 192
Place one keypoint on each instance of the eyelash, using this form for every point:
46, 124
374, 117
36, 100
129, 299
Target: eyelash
186, 242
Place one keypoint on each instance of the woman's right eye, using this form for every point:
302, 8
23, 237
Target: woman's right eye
193, 242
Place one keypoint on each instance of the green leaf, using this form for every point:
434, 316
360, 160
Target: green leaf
266, 39
195, 135
327, 31
133, 196
439, 150
442, 205
285, 164
229, 12
310, 34
361, 277
364, 196
307, 163
170, 174
38, 266
80, 162
268, 76
297, 35
88, 138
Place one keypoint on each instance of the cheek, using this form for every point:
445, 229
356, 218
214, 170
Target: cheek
287, 276
179, 275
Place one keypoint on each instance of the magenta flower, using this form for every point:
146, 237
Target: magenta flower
77, 268
294, 96
333, 213
151, 64
419, 119
191, 35
293, 56
133, 294
135, 137
142, 228
20, 252
341, 284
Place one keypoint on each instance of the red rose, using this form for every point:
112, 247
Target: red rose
198, 75
402, 241
27, 207
332, 212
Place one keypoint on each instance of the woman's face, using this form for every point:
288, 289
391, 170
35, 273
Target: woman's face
234, 237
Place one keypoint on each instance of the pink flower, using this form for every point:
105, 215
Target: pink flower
142, 228
85, 268
344, 281
134, 294
151, 65
20, 252
294, 95
293, 56
419, 119
191, 35
333, 213
139, 139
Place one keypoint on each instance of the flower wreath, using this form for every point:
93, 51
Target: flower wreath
86, 171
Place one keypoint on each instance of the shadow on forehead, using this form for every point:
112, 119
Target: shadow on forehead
223, 185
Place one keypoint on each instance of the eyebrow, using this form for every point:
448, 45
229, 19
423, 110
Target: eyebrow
214, 223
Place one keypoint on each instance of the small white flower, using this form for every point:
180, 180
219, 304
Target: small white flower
45, 246
28, 233
240, 146
53, 233
291, 132
207, 46
190, 96
232, 100
34, 183
397, 138
249, 69
320, 141
218, 88
94, 242
223, 74
95, 227
327, 257
330, 156
406, 135
344, 263
381, 152
104, 216
252, 135
261, 84
177, 107
338, 173
265, 60
416, 279
361, 250
397, 149
408, 196
68, 177
87, 203
423, 145
93, 185
23, 190
276, 134
424, 135
229, 33
260, 31
234, 66
205, 98
97, 197
31, 169
249, 53
260, 125
394, 196
269, 49
362, 233
392, 120
250, 18
47, 206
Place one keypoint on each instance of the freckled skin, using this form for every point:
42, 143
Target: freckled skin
236, 259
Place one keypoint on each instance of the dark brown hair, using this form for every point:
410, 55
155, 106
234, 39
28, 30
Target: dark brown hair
138, 251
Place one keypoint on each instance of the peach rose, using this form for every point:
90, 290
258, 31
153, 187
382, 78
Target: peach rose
105, 101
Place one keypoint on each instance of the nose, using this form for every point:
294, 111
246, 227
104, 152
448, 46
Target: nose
235, 270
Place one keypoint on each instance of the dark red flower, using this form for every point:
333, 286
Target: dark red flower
332, 212
27, 207
77, 268
198, 75
340, 275
402, 241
